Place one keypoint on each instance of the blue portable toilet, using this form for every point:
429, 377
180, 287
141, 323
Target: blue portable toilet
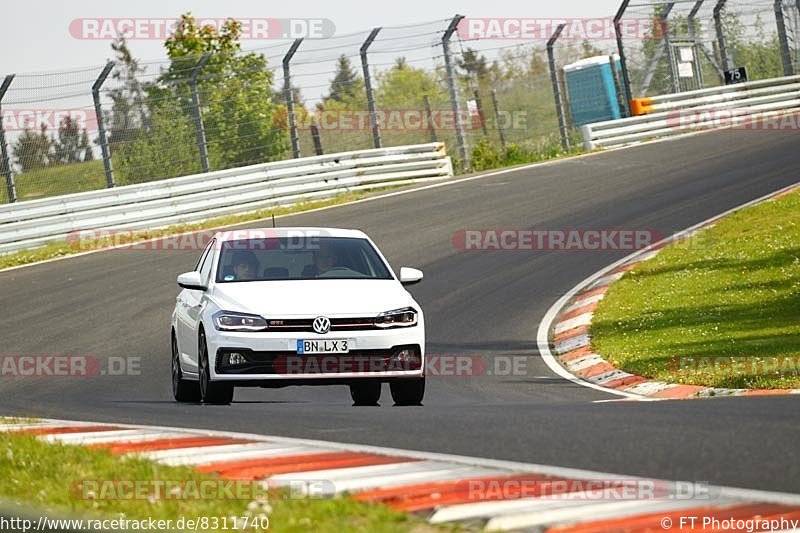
592, 93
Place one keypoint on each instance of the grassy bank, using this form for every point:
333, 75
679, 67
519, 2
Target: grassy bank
63, 480
721, 309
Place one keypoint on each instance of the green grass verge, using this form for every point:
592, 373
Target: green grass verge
720, 309
55, 181
61, 249
48, 478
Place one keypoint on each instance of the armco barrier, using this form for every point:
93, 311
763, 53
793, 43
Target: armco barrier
197, 197
674, 114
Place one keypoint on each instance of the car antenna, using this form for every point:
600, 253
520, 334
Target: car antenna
273, 220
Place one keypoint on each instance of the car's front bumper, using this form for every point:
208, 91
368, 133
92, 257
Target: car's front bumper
389, 354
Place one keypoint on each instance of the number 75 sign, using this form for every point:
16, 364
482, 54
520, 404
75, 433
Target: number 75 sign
736, 75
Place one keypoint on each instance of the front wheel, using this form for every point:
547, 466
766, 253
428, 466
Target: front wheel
182, 389
408, 391
366, 393
211, 392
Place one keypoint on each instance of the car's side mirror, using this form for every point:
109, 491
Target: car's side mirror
191, 280
410, 276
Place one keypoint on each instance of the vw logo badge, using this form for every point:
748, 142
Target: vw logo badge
321, 325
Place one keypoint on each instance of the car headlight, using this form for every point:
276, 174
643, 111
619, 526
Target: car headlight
404, 317
230, 321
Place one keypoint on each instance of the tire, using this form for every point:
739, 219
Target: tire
366, 393
183, 390
408, 391
211, 392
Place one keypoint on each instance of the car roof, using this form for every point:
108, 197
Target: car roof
265, 233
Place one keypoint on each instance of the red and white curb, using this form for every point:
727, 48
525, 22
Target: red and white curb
497, 495
565, 343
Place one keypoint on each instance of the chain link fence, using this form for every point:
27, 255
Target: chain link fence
692, 43
495, 92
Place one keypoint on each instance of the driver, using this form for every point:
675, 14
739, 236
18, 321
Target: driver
324, 260
245, 265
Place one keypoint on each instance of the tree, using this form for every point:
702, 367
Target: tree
70, 145
405, 87
346, 86
238, 105
129, 114
32, 149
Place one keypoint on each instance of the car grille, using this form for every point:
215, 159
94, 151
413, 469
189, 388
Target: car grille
305, 324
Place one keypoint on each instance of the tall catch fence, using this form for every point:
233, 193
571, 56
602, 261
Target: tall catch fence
494, 91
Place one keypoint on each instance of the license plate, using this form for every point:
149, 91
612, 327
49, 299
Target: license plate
323, 346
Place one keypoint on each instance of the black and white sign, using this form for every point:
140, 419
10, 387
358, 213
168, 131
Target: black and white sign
736, 75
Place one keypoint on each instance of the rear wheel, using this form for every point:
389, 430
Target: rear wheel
182, 389
408, 391
366, 393
210, 391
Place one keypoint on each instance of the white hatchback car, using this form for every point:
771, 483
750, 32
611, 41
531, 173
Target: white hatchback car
296, 306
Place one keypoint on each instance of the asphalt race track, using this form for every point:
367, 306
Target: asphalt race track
118, 303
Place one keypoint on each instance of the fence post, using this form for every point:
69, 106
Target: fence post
692, 20
373, 117
497, 122
101, 128
315, 137
198, 118
723, 52
429, 116
623, 63
562, 124
481, 114
289, 97
451, 83
6, 162
786, 55
673, 76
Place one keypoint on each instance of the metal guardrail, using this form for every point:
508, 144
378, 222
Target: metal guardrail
198, 197
675, 114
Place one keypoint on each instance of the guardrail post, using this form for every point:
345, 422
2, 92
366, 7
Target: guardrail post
101, 128
623, 63
373, 117
289, 97
198, 117
451, 83
723, 51
497, 122
429, 116
786, 55
6, 163
562, 124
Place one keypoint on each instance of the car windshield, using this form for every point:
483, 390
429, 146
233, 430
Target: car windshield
270, 259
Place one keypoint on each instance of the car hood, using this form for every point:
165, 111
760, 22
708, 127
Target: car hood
326, 297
